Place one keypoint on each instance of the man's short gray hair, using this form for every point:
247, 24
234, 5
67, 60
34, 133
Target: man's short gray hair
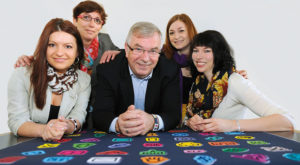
142, 29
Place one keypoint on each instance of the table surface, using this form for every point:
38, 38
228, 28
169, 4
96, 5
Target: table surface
168, 139
8, 139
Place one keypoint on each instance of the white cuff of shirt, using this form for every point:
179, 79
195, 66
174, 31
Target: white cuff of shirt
161, 123
112, 127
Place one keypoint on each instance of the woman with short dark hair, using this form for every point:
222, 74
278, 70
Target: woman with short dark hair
219, 96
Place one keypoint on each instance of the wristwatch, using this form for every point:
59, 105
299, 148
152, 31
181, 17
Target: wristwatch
156, 123
75, 125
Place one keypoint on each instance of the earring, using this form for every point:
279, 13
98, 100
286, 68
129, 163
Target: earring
76, 60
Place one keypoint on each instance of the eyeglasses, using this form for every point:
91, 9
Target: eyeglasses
88, 18
140, 51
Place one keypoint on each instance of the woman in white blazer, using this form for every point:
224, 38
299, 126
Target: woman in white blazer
219, 96
49, 98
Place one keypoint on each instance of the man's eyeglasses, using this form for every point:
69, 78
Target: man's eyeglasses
140, 51
88, 18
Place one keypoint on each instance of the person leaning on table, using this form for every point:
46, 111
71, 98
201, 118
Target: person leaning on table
138, 91
219, 96
49, 98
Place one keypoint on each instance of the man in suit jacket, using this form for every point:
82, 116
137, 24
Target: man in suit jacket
139, 90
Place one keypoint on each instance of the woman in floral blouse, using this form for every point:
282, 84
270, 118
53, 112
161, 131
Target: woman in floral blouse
219, 97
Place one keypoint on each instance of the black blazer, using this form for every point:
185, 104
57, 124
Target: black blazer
114, 92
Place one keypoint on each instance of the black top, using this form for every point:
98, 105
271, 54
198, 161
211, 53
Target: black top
53, 114
186, 87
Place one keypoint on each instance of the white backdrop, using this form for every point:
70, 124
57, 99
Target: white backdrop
263, 33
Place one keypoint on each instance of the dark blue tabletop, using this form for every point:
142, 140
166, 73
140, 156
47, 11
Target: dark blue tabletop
172, 147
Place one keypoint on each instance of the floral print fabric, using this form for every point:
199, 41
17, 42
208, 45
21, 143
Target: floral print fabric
90, 55
206, 96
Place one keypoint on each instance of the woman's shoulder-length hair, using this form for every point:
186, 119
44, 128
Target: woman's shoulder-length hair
38, 77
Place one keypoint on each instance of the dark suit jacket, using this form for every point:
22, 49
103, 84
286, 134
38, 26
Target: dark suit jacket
105, 44
114, 92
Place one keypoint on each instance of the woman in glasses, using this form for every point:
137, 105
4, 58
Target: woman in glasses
89, 17
219, 96
49, 98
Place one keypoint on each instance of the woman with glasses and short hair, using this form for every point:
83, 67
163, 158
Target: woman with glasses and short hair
49, 98
89, 17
